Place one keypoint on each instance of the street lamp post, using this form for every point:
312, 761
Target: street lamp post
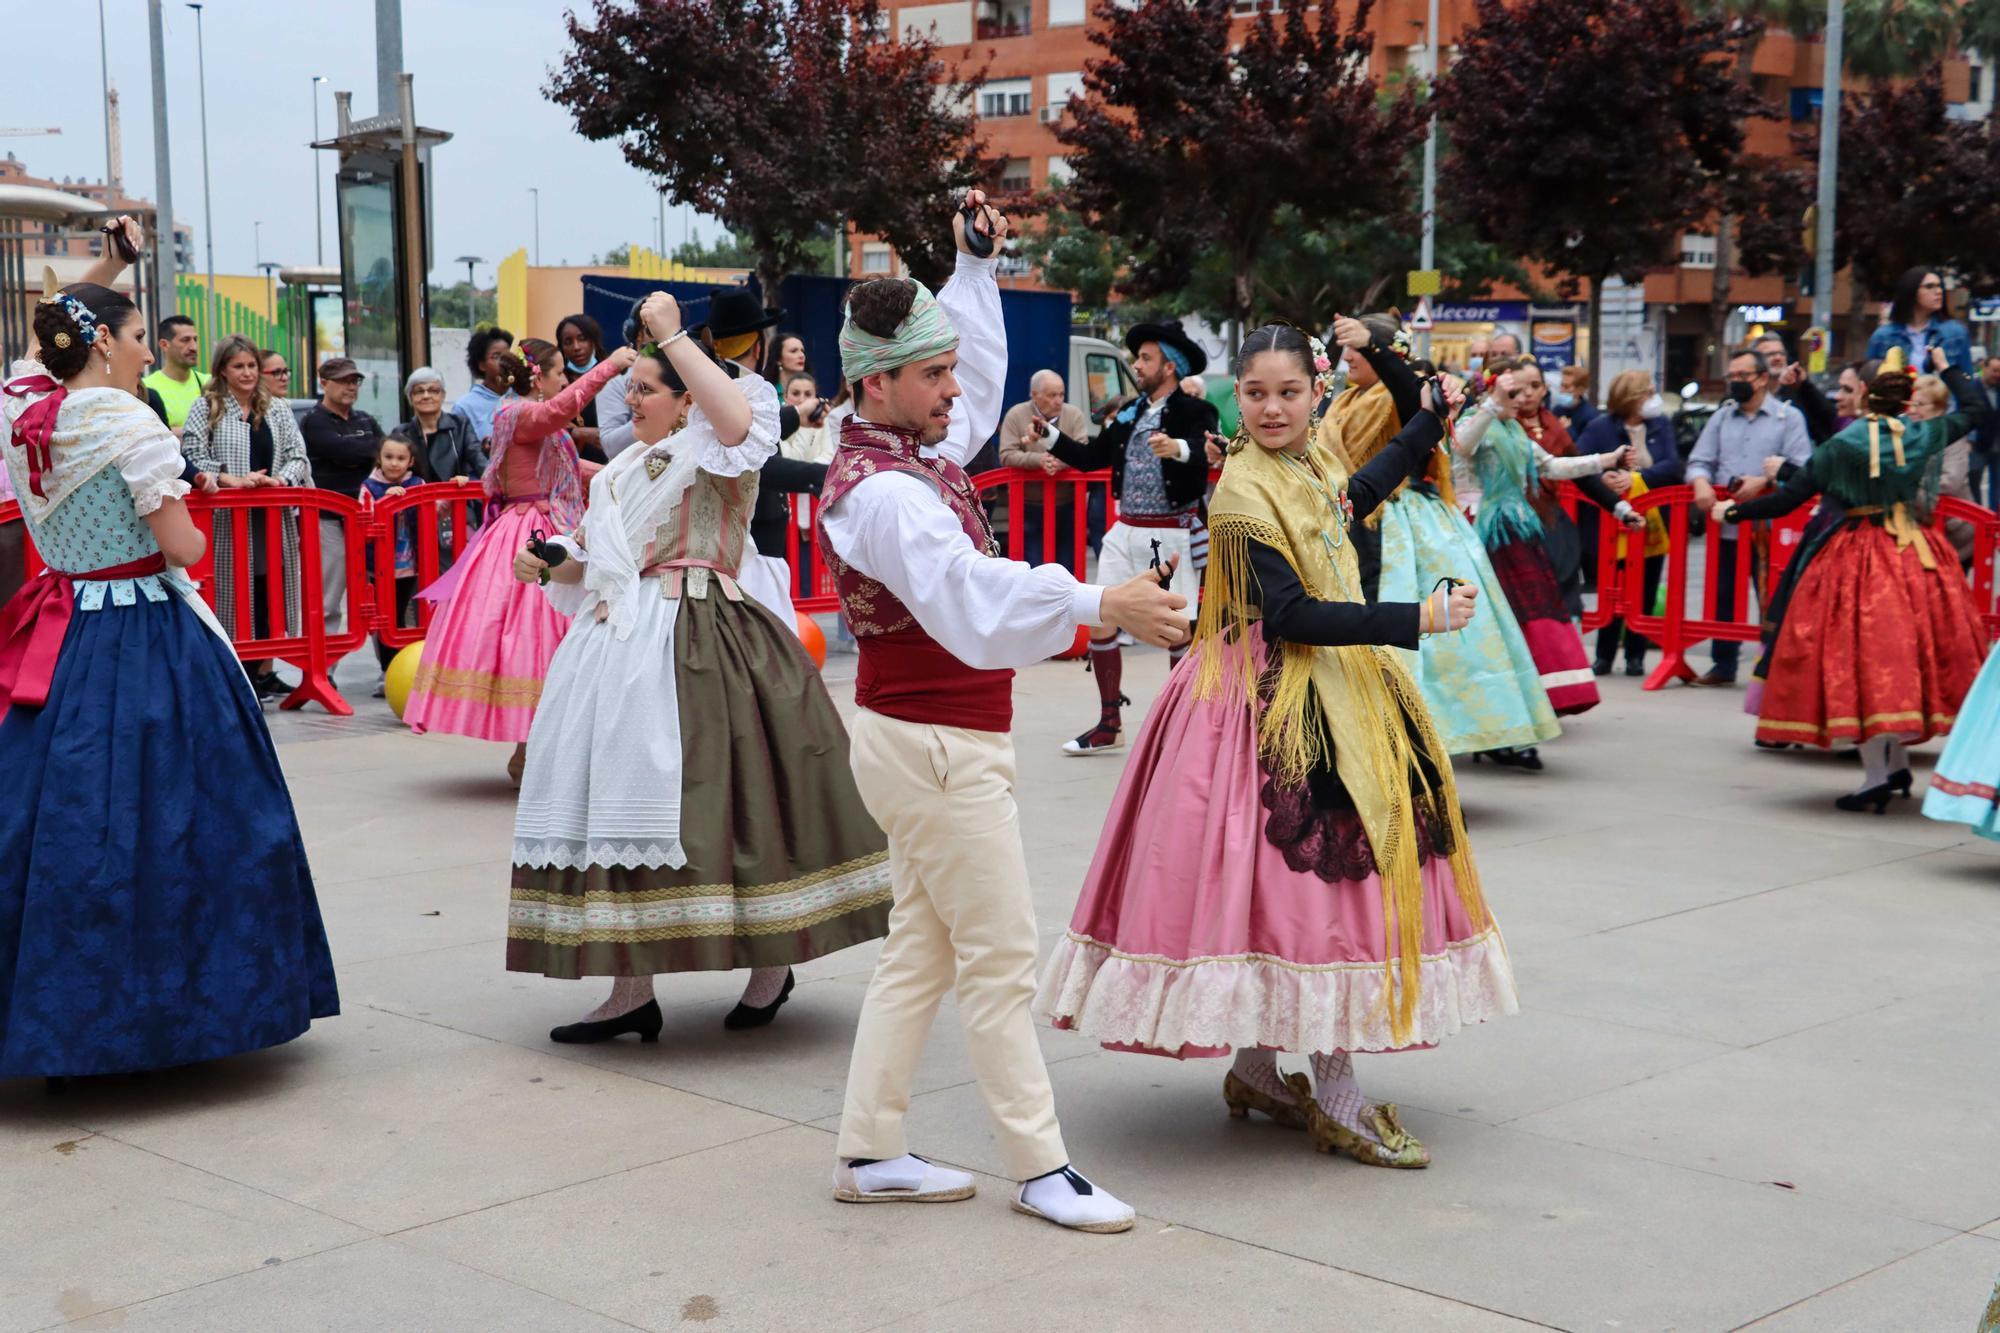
257, 242
104, 70
207, 210
1427, 250
537, 195
471, 289
270, 268
319, 208
1829, 163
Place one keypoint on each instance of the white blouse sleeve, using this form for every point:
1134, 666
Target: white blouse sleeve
724, 460
149, 459
988, 613
1568, 469
1472, 429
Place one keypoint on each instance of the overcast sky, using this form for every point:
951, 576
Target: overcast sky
479, 66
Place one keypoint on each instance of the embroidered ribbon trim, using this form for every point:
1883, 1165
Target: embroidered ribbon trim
1875, 444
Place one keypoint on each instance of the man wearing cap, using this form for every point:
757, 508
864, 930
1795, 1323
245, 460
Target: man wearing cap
341, 443
940, 620
1157, 451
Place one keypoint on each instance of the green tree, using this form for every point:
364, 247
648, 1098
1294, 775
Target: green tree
462, 306
1071, 254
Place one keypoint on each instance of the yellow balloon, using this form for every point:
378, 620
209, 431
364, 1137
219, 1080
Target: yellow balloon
401, 675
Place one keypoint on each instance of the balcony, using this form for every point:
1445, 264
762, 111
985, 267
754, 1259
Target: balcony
1003, 18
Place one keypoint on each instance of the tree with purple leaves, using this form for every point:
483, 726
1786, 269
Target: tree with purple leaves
1186, 147
779, 118
1590, 135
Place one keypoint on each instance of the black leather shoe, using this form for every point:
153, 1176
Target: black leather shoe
743, 1016
1900, 782
1634, 668
645, 1020
1875, 798
1601, 667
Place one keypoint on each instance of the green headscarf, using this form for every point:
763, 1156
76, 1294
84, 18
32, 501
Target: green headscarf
925, 332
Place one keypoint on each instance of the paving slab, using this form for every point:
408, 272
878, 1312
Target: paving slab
1944, 1287
93, 1224
1143, 1282
387, 1122
377, 1286
1504, 1220
749, 1236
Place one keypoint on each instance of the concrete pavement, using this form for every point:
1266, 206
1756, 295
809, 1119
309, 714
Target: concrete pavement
1752, 1085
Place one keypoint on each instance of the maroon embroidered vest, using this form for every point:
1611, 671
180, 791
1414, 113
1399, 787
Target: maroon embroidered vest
904, 673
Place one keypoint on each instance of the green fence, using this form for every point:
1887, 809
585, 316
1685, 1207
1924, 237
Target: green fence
233, 317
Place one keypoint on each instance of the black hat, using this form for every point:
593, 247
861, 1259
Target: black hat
735, 311
1169, 334
339, 368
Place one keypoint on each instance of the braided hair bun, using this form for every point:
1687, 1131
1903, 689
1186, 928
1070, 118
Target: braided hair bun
66, 346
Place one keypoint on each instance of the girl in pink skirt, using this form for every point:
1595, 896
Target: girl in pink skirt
1284, 867
489, 647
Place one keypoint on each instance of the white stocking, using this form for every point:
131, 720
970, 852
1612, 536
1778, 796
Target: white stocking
627, 994
1259, 1069
1338, 1094
1899, 755
765, 984
1875, 757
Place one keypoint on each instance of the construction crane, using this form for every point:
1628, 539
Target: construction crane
22, 134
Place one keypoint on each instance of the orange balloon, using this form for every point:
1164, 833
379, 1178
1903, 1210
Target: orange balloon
1078, 648
810, 636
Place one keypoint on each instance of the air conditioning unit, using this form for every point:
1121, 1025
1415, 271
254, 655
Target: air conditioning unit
1051, 113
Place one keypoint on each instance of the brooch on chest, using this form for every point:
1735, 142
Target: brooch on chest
656, 463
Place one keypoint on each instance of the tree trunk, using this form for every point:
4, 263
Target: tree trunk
770, 276
1240, 292
1718, 301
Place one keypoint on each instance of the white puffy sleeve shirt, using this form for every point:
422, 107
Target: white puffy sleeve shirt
896, 529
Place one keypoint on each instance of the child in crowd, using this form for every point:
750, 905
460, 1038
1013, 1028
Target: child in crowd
398, 468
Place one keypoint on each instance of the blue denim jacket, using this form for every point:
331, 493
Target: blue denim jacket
1946, 333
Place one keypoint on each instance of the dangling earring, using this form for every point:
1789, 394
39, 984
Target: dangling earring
1240, 438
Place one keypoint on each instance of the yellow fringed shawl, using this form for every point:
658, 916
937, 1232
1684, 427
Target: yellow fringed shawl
1359, 701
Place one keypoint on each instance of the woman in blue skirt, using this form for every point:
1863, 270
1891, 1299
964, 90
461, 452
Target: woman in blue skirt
144, 923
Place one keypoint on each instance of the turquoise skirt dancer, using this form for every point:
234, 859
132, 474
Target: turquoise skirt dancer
1481, 684
1965, 785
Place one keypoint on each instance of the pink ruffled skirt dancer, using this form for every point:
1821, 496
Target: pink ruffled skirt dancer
1226, 911
489, 648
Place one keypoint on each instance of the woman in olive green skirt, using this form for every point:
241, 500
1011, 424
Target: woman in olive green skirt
687, 803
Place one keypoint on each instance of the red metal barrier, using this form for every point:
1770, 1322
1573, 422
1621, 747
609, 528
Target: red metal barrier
1676, 632
445, 515
1021, 492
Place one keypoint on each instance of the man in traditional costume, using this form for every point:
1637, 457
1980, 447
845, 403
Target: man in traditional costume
1156, 448
940, 621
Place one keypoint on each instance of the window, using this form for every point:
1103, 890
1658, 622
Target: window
1059, 170
1973, 80
1066, 11
1017, 176
1004, 18
1697, 251
875, 257
1060, 86
1254, 6
1105, 380
1006, 97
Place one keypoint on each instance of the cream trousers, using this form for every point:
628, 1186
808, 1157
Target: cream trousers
963, 918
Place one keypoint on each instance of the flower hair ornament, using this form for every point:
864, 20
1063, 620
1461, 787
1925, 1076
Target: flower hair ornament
79, 314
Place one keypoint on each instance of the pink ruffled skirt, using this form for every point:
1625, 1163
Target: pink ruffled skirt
1198, 932
489, 647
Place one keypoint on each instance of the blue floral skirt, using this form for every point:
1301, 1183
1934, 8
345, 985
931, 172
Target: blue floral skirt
155, 904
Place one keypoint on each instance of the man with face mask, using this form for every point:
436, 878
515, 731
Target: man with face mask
1754, 425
